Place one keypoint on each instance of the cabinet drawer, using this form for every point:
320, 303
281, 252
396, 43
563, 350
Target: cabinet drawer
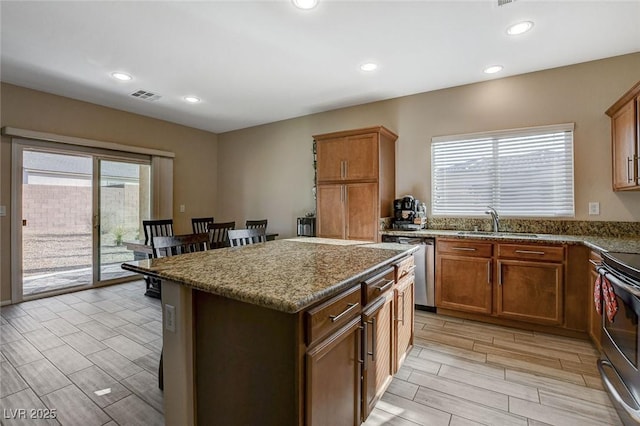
531, 252
405, 267
332, 314
377, 286
464, 248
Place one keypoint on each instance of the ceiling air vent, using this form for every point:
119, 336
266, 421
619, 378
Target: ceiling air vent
503, 2
145, 96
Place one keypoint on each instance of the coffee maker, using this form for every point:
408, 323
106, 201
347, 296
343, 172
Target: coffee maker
408, 213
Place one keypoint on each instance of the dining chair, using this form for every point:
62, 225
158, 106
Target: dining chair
155, 228
200, 224
253, 224
243, 237
165, 246
180, 244
218, 237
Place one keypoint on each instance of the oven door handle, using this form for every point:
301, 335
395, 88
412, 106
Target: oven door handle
618, 283
634, 413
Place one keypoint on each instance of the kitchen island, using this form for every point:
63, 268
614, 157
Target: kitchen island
287, 332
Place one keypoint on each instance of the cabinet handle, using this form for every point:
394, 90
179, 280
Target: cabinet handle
629, 161
399, 295
343, 169
499, 275
346, 168
541, 253
373, 339
489, 273
350, 307
596, 264
463, 248
365, 335
386, 286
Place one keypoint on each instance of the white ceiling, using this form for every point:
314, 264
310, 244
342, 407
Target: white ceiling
255, 62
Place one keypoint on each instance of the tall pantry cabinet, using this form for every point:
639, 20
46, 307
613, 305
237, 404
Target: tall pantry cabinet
355, 172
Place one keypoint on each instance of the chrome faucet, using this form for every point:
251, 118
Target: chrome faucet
495, 217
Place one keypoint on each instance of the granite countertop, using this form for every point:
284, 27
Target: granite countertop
285, 275
625, 245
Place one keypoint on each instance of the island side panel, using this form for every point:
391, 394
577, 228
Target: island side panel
177, 353
246, 363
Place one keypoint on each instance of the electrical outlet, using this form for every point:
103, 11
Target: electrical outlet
170, 318
3, 210
182, 209
594, 208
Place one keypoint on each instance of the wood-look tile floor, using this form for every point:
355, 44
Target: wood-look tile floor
62, 353
57, 352
464, 372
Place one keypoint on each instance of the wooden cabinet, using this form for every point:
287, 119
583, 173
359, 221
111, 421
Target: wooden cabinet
463, 276
595, 319
355, 182
404, 316
354, 343
625, 140
511, 281
333, 378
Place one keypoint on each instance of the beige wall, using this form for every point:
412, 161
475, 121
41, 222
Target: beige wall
195, 176
266, 171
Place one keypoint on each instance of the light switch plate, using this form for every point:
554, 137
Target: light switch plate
3, 210
182, 208
170, 318
594, 208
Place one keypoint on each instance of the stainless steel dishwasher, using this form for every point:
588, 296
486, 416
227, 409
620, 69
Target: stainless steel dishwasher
425, 269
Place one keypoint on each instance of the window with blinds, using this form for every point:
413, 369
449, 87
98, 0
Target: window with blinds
520, 172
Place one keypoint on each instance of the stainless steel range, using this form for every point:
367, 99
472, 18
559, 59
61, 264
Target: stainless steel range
619, 364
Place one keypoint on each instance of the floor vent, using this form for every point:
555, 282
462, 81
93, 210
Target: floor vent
503, 2
146, 96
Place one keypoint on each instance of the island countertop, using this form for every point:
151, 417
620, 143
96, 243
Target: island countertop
285, 275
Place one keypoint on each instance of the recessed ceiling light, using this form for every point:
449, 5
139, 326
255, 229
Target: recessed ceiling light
519, 28
121, 76
493, 69
305, 4
369, 66
192, 99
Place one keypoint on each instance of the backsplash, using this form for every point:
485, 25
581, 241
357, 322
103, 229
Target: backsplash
536, 226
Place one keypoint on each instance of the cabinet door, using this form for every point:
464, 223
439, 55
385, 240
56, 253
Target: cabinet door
595, 320
463, 283
331, 159
624, 146
378, 351
361, 157
403, 319
333, 370
362, 211
530, 291
331, 211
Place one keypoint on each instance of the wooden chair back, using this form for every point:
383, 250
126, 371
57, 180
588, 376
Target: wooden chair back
253, 224
218, 234
156, 228
180, 244
200, 224
243, 237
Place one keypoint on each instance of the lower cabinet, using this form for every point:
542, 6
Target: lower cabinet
404, 302
378, 367
530, 291
595, 319
333, 370
356, 341
512, 281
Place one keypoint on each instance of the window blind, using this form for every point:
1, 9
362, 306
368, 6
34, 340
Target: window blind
519, 172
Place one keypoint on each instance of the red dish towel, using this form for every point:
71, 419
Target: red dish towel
597, 294
610, 302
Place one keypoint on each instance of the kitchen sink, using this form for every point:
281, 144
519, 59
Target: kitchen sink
498, 234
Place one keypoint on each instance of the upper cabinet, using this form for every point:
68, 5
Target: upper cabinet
625, 140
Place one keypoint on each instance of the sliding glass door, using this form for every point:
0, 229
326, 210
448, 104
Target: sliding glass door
124, 202
78, 209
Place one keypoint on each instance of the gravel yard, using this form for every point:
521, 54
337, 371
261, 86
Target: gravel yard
45, 253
